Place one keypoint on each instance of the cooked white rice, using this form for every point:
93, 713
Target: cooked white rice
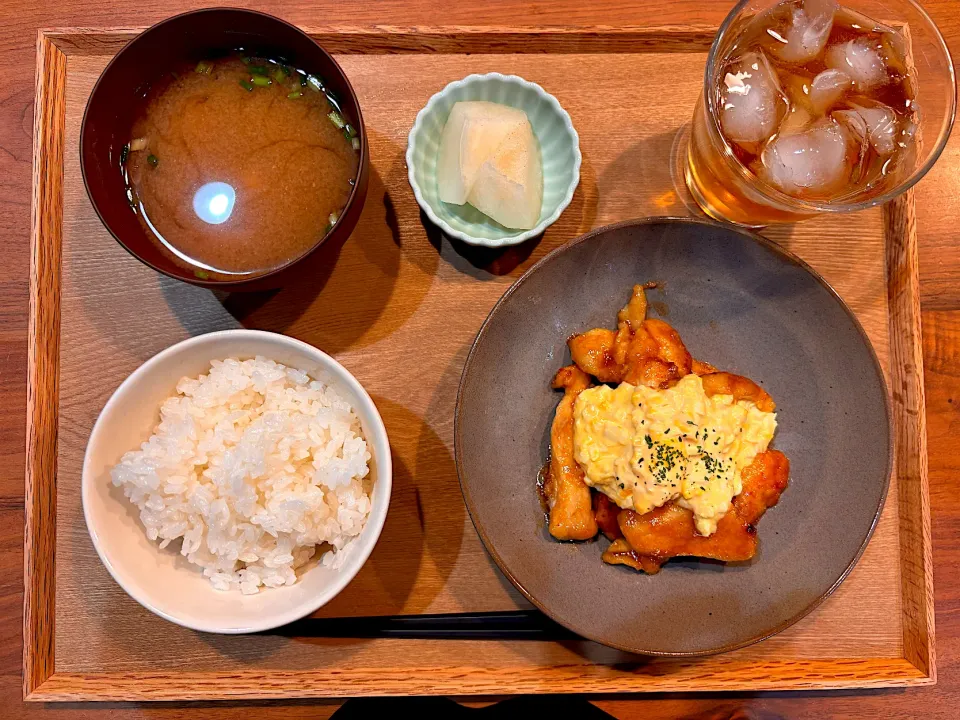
253, 465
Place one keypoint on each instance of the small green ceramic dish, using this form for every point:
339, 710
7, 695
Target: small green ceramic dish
559, 152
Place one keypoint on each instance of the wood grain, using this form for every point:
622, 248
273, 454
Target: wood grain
448, 39
910, 431
43, 360
116, 313
474, 680
937, 207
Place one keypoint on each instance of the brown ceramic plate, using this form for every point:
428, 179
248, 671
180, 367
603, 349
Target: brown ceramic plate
744, 305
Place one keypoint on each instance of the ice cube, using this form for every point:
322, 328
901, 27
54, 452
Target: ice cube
853, 121
751, 100
815, 161
858, 133
808, 32
878, 123
828, 87
908, 134
861, 60
892, 46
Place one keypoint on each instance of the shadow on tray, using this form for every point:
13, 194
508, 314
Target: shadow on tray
352, 282
478, 262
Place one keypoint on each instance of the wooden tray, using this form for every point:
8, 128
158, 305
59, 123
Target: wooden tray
400, 310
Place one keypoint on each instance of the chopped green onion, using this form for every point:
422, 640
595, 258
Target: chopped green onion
333, 218
314, 82
261, 80
278, 75
295, 94
349, 131
355, 142
246, 85
124, 151
203, 67
257, 70
336, 119
153, 160
303, 81
202, 274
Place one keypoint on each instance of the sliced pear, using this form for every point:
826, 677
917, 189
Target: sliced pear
474, 131
509, 185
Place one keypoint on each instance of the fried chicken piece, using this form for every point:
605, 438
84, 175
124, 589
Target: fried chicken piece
635, 311
669, 531
640, 351
702, 368
594, 353
670, 347
655, 356
620, 553
606, 511
568, 497
764, 480
639, 344
723, 383
653, 373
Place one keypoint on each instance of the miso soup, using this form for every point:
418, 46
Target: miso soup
239, 164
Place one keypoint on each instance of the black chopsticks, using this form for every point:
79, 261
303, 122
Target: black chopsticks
511, 625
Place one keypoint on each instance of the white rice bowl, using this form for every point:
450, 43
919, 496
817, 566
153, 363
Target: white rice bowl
253, 467
163, 580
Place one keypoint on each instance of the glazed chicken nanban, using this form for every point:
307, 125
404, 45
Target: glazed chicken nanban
663, 454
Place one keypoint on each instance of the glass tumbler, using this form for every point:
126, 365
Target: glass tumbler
726, 189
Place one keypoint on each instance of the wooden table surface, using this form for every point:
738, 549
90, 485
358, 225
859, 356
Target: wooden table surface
938, 205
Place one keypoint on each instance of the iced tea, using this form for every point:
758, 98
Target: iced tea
811, 103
